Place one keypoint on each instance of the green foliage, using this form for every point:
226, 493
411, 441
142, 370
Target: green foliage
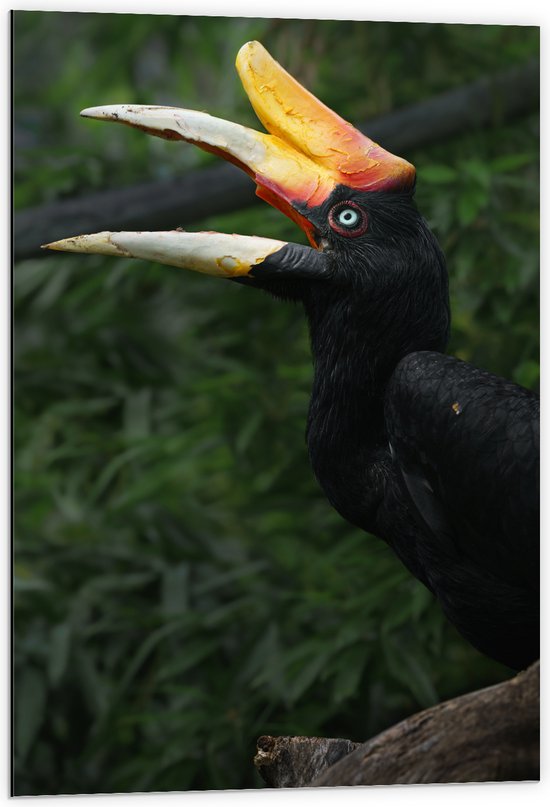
181, 585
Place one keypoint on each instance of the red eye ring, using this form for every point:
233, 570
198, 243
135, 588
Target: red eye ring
348, 219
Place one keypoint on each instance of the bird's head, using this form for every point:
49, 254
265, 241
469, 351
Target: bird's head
352, 198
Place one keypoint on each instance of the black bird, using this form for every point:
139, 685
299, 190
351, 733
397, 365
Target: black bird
434, 456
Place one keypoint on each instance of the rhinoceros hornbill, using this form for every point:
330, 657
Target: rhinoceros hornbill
435, 456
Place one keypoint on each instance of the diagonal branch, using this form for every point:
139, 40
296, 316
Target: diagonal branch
223, 188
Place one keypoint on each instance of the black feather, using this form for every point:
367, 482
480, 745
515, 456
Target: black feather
437, 457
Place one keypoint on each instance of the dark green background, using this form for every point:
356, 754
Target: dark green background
181, 584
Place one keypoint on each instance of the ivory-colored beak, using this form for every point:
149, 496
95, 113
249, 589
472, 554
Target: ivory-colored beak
210, 253
308, 153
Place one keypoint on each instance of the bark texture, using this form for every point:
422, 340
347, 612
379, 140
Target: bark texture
296, 761
491, 735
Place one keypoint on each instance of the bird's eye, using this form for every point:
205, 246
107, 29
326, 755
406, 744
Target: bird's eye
348, 219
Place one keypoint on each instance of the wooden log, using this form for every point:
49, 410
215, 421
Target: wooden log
491, 735
223, 188
297, 761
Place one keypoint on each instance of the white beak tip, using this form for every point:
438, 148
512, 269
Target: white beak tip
57, 245
90, 112
101, 112
98, 243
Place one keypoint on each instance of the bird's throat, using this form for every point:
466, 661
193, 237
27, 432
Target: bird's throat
346, 435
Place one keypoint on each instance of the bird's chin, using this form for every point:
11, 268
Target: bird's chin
323, 244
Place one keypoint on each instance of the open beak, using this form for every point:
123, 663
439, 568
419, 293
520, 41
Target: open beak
308, 152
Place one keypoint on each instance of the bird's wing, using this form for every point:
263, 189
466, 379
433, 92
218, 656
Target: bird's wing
466, 445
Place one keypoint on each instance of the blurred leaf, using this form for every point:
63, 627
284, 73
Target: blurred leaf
314, 655
60, 642
350, 671
510, 162
411, 671
30, 703
438, 174
137, 414
471, 202
527, 374
175, 589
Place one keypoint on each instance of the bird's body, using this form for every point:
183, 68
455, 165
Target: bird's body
437, 457
434, 456
451, 484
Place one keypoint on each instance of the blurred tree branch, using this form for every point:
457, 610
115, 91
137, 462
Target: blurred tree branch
488, 735
223, 188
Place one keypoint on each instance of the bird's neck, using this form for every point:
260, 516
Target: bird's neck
356, 345
345, 430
